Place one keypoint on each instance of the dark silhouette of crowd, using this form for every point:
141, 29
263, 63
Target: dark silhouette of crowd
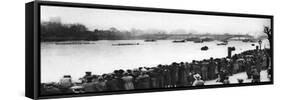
181, 74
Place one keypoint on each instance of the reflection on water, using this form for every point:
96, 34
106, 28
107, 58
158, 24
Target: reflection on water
103, 57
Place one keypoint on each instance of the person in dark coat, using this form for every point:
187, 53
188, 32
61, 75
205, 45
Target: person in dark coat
182, 75
204, 70
196, 67
221, 76
87, 78
224, 64
212, 69
100, 85
219, 66
248, 69
89, 87
143, 81
154, 77
258, 62
174, 74
160, 76
111, 84
118, 74
167, 77
190, 78
226, 80
256, 76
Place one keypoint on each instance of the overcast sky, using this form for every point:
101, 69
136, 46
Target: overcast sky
126, 20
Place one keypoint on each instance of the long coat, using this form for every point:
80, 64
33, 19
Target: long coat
128, 82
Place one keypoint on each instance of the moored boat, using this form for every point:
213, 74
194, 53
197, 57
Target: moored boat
178, 41
73, 43
204, 48
150, 40
123, 44
224, 43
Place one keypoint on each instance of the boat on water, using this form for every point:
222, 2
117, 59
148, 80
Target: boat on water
204, 48
178, 41
150, 40
224, 43
73, 43
248, 40
207, 39
124, 44
198, 41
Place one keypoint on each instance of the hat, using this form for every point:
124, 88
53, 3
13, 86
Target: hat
240, 80
88, 73
67, 76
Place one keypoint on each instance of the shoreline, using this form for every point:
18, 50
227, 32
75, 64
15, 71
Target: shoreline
177, 74
77, 80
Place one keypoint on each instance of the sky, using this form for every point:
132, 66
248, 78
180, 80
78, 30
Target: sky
169, 22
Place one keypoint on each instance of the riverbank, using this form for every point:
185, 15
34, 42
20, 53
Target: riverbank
177, 74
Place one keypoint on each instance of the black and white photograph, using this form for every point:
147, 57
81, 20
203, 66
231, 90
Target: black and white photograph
93, 50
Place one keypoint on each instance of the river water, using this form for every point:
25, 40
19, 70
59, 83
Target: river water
102, 57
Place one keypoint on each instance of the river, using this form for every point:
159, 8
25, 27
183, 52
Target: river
102, 57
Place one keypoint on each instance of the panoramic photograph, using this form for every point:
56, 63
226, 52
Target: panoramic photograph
92, 50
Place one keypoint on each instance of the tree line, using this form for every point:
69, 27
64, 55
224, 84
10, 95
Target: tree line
55, 31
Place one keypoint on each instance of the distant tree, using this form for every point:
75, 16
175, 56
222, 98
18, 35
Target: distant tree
113, 29
268, 31
78, 28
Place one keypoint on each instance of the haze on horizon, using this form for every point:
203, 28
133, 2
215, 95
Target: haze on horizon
169, 22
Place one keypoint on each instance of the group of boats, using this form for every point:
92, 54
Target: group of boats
195, 40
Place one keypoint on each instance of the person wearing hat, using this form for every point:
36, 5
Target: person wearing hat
128, 81
65, 83
88, 77
204, 70
167, 77
100, 84
111, 83
143, 81
212, 69
255, 76
182, 79
198, 81
174, 74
